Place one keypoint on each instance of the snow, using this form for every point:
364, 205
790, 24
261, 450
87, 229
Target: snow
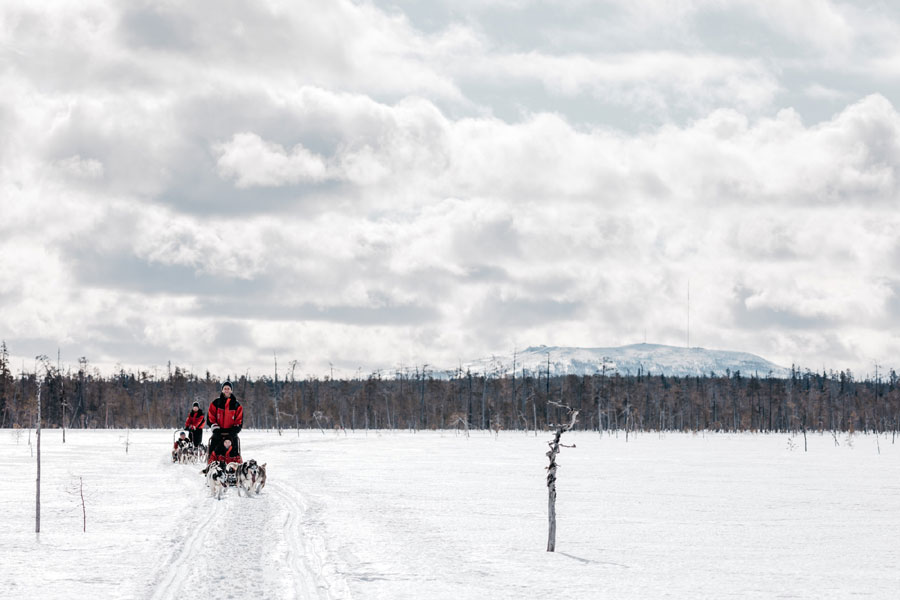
655, 359
396, 515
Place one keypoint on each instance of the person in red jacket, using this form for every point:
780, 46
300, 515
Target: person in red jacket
223, 451
225, 418
194, 424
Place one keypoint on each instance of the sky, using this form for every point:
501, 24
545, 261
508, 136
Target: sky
365, 185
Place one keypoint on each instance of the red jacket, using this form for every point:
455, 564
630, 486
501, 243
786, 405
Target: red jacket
227, 413
229, 455
195, 420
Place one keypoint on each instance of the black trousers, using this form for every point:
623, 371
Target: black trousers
196, 436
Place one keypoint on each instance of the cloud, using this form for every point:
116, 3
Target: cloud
80, 168
214, 183
654, 82
250, 161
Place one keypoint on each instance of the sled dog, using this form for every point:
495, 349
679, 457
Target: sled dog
250, 478
201, 452
231, 473
185, 454
261, 480
215, 479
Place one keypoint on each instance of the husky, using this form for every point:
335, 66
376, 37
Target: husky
178, 447
261, 480
185, 454
251, 477
201, 452
215, 479
231, 473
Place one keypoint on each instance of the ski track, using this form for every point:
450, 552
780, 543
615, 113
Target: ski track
266, 546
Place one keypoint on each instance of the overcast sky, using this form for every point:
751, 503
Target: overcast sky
387, 183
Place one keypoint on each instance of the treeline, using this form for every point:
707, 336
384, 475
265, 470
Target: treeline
84, 398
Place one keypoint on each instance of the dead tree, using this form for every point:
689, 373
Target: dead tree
456, 419
277, 397
76, 488
83, 511
555, 445
37, 489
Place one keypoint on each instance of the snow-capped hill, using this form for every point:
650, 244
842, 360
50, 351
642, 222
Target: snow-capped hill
655, 359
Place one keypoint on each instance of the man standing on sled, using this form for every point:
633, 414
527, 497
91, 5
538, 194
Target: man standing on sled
225, 418
194, 424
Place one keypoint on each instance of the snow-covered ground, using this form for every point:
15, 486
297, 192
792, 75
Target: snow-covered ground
400, 515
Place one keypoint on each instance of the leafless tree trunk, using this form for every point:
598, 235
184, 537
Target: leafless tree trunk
37, 489
294, 398
456, 419
83, 511
484, 383
317, 415
60, 392
277, 394
551, 473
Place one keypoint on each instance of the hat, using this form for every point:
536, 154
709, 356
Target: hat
197, 404
228, 383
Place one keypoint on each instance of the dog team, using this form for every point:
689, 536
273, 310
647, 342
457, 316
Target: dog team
248, 477
224, 467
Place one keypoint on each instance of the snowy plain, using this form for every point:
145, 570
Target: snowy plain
436, 515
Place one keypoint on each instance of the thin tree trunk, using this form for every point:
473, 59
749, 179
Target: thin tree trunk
37, 493
277, 394
551, 477
83, 511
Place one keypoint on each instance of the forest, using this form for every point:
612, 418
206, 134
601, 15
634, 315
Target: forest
417, 399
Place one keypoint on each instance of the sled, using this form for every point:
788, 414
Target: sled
188, 453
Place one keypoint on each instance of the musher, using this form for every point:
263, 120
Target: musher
225, 418
194, 424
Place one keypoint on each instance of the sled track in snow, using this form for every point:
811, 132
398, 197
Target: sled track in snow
179, 567
307, 549
274, 537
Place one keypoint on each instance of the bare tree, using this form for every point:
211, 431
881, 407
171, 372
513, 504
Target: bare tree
277, 395
294, 398
78, 488
456, 419
62, 395
37, 490
83, 511
555, 445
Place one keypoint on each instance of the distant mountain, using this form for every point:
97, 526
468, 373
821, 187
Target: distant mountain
654, 359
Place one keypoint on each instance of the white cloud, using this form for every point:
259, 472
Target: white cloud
653, 81
253, 162
823, 92
81, 168
173, 178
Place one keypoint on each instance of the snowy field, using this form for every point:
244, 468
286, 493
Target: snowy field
400, 515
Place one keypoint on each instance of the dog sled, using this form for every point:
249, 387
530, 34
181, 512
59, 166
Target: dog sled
183, 451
